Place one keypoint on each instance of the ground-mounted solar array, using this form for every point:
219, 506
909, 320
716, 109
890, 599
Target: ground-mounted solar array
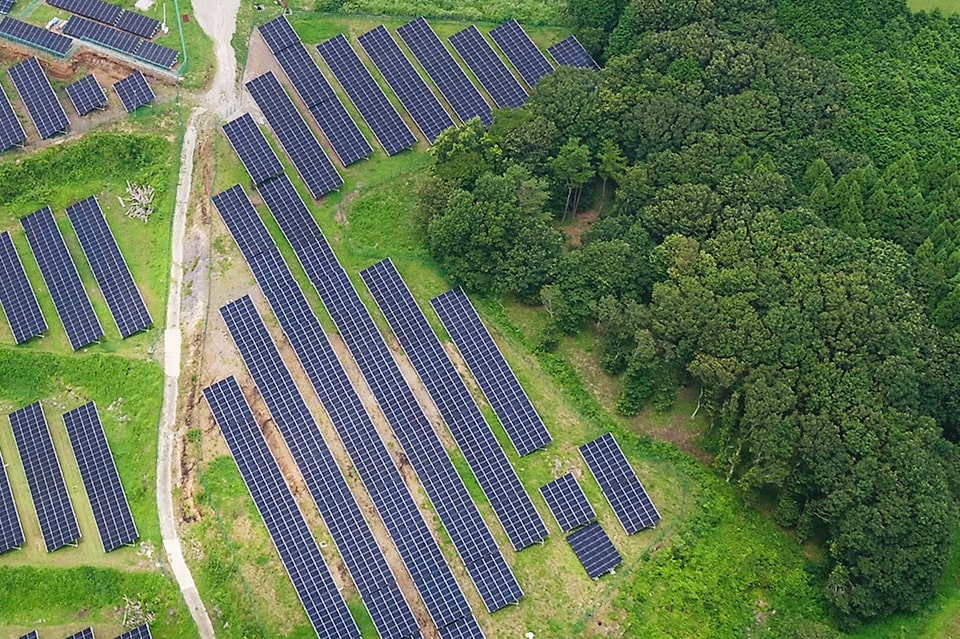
11, 130
131, 22
58, 523
493, 374
594, 549
278, 34
34, 36
620, 485
97, 33
522, 53
86, 633
450, 79
568, 503
391, 131
30, 635
11, 532
243, 222
109, 268
16, 295
477, 442
252, 148
6, 6
138, 24
493, 74
414, 94
140, 632
570, 53
63, 281
98, 470
42, 104
86, 94
134, 91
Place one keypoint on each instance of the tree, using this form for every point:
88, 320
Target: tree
572, 168
610, 165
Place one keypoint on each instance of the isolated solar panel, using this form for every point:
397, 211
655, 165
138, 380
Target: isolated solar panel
138, 24
594, 549
30, 635
100, 477
493, 74
16, 295
252, 147
568, 503
414, 94
11, 532
521, 52
391, 131
570, 53
90, 31
35, 36
620, 485
42, 104
86, 94
134, 91
63, 281
140, 632
58, 523
86, 633
317, 94
5, 6
466, 628
157, 54
288, 529
278, 34
11, 131
94, 9
499, 482
242, 221
446, 73
492, 372
296, 138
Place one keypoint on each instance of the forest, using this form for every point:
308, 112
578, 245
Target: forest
771, 196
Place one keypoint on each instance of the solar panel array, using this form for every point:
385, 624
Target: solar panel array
42, 104
86, 94
58, 523
619, 484
16, 296
278, 34
11, 131
11, 532
476, 440
63, 281
568, 503
109, 268
30, 635
252, 147
446, 73
140, 632
466, 628
570, 53
594, 549
314, 167
243, 222
494, 376
100, 477
157, 54
391, 131
5, 6
367, 566
84, 29
138, 24
414, 94
35, 36
417, 547
522, 53
86, 633
93, 9
288, 529
134, 91
493, 74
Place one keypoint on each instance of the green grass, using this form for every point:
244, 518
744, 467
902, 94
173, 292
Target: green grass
526, 11
946, 6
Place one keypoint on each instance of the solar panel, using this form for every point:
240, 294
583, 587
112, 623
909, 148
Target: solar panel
499, 482
86, 94
90, 31
109, 268
11, 532
252, 148
134, 91
414, 94
30, 635
296, 138
446, 73
42, 104
318, 96
157, 54
522, 53
34, 36
493, 74
140, 632
138, 24
568, 503
100, 477
242, 221
570, 53
466, 628
11, 131
290, 211
63, 281
494, 376
391, 131
5, 6
594, 549
86, 633
58, 523
93, 9
619, 484
278, 34
16, 295
288, 529
331, 493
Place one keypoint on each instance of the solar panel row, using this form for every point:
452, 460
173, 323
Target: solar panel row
252, 147
100, 477
493, 74
84, 29
570, 53
288, 529
11, 131
134, 91
567, 502
446, 73
86, 94
30, 635
109, 268
42, 104
140, 632
521, 52
60, 273
35, 36
16, 296
243, 222
494, 376
58, 523
466, 628
86, 633
94, 9
476, 440
594, 549
11, 532
278, 34
5, 6
619, 484
138, 24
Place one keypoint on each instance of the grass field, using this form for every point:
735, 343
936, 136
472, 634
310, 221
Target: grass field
946, 6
